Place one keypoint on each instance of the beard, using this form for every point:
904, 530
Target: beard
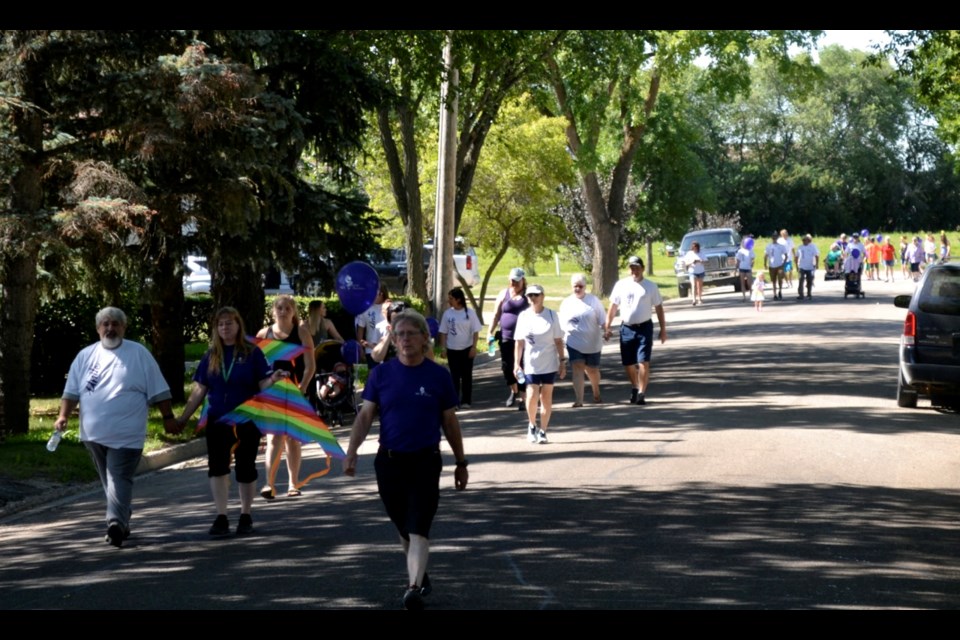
111, 342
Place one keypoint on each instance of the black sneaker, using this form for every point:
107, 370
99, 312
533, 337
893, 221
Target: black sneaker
521, 406
220, 526
115, 534
245, 526
426, 588
412, 599
633, 396
641, 399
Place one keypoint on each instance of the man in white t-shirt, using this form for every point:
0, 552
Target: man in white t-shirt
808, 259
115, 381
774, 259
636, 299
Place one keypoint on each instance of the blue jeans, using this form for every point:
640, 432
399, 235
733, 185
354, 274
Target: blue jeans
116, 468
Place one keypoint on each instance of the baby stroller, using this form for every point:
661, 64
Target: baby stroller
334, 385
852, 267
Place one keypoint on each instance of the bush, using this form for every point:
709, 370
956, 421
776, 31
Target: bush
61, 329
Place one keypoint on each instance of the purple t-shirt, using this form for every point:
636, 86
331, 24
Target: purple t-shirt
411, 402
234, 383
509, 312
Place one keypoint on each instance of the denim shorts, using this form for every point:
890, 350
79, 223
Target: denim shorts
636, 342
592, 360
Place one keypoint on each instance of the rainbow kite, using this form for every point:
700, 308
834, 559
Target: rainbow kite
282, 410
276, 350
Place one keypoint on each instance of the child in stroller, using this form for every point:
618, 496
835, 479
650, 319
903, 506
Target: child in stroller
333, 384
852, 267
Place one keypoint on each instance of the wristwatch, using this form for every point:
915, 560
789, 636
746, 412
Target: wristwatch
463, 463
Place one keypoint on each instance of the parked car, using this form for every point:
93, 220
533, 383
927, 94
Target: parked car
393, 269
718, 247
930, 343
465, 259
196, 278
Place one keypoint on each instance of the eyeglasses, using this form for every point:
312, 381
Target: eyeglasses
578, 286
406, 334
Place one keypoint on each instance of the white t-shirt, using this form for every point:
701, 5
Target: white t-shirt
806, 254
635, 300
745, 259
582, 322
694, 263
372, 321
788, 245
460, 326
776, 254
115, 388
539, 332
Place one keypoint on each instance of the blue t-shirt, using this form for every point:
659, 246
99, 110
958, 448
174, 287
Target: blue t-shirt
233, 384
411, 402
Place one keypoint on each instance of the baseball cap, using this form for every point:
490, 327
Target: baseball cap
517, 274
535, 288
634, 261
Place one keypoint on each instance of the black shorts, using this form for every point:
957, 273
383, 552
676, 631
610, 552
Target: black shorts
409, 486
242, 442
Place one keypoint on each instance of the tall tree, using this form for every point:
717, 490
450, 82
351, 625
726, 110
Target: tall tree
492, 66
516, 185
54, 86
606, 84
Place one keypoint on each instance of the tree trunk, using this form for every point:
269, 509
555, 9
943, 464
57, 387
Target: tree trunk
606, 235
237, 284
166, 319
19, 308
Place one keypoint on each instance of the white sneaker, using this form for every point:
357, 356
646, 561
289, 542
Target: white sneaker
532, 433
541, 437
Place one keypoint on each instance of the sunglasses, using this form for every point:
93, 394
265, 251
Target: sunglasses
534, 295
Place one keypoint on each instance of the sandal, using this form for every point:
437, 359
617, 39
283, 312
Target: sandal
577, 404
597, 400
267, 493
293, 493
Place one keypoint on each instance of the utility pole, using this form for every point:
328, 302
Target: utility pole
442, 260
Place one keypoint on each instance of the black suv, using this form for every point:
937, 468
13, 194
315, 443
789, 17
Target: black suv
930, 344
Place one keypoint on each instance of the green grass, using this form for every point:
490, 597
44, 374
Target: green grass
26, 456
557, 286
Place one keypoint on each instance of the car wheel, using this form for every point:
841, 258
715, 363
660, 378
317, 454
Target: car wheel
684, 290
906, 397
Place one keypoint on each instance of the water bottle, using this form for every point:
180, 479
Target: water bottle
521, 378
54, 440
491, 346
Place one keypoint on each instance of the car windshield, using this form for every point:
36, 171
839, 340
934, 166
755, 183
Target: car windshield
711, 240
941, 292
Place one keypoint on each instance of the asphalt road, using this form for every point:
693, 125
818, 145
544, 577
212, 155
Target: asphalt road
770, 469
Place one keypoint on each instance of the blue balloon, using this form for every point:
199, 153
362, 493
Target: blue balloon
748, 244
864, 233
879, 238
357, 286
855, 253
350, 351
434, 327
